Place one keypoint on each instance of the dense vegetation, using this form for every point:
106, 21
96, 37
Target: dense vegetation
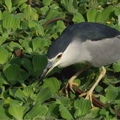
27, 29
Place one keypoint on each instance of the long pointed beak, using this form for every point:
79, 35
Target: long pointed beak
48, 68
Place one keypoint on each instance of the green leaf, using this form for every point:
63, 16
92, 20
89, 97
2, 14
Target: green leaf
5, 55
52, 14
2, 40
46, 2
52, 83
82, 107
54, 110
116, 66
3, 114
11, 72
19, 2
77, 18
93, 113
37, 110
40, 43
91, 15
15, 45
27, 64
16, 110
17, 93
11, 21
8, 4
26, 45
65, 113
111, 93
28, 90
39, 29
70, 5
30, 13
6, 14
1, 15
32, 24
104, 14
39, 62
44, 95
117, 11
93, 3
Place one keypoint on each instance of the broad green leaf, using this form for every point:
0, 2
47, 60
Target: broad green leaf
52, 83
93, 4
40, 43
5, 55
32, 24
116, 66
29, 93
61, 25
28, 90
46, 2
39, 62
93, 113
63, 100
36, 27
1, 79
2, 40
26, 45
104, 14
37, 110
11, 72
117, 11
44, 10
11, 21
111, 93
17, 93
103, 99
52, 14
15, 45
70, 5
82, 107
24, 24
6, 14
54, 110
65, 113
39, 29
3, 114
77, 18
91, 15
30, 13
8, 4
44, 95
1, 15
19, 2
27, 64
16, 110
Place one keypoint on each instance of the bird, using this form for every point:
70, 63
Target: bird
89, 43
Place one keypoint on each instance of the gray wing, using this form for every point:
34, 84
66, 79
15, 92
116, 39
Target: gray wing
104, 52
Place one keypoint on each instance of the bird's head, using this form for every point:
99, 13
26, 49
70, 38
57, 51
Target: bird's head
71, 55
52, 63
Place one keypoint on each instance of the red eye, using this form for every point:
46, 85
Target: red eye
59, 56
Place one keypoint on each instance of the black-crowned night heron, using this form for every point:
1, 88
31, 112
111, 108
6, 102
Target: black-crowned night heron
91, 43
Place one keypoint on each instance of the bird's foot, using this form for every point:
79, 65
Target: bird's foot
88, 97
70, 85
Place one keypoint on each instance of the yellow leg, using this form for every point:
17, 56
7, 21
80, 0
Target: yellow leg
89, 93
70, 81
